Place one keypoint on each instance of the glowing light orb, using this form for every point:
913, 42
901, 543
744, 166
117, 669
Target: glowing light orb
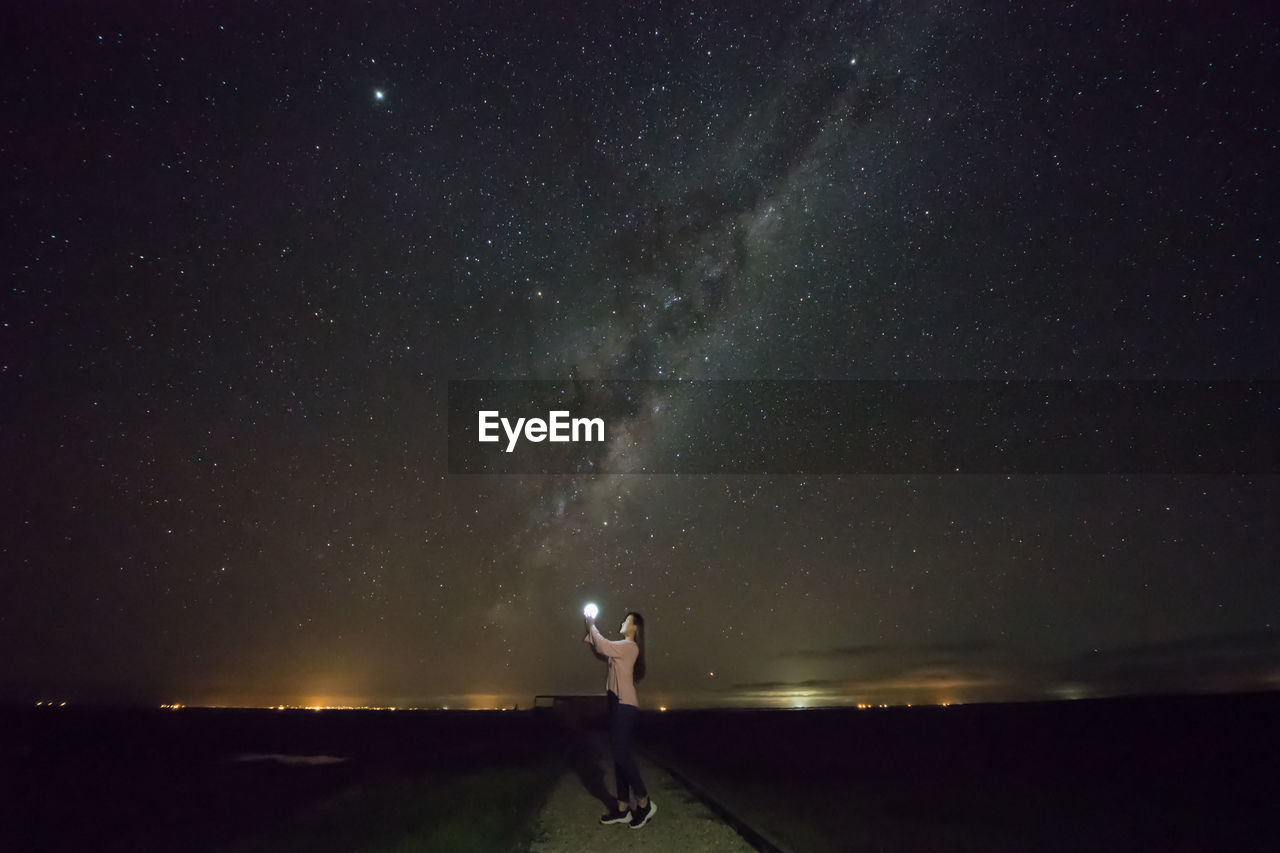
378, 94
590, 611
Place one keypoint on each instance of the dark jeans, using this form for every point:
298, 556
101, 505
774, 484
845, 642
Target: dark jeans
622, 719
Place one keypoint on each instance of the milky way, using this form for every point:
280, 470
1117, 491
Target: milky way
247, 250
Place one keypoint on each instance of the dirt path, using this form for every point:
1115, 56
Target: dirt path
569, 821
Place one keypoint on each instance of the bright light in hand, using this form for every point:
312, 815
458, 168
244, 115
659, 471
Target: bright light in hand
590, 611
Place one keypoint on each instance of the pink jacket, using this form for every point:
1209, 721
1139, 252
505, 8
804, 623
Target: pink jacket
622, 656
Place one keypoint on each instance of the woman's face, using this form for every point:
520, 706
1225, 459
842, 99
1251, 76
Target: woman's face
625, 625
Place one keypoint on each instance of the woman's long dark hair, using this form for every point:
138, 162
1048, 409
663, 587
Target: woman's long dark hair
637, 673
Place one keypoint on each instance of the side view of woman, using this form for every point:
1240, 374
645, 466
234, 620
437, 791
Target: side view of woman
626, 669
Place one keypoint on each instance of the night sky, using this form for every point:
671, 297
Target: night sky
245, 249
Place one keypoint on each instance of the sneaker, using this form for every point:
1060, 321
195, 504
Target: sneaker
614, 816
642, 816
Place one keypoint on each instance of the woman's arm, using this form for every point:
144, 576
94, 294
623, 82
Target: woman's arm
608, 648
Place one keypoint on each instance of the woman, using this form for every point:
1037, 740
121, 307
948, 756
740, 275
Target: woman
626, 668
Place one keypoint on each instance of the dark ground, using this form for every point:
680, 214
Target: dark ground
1168, 774
137, 780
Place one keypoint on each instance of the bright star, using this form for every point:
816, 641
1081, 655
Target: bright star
378, 94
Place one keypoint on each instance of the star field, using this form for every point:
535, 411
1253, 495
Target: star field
247, 248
